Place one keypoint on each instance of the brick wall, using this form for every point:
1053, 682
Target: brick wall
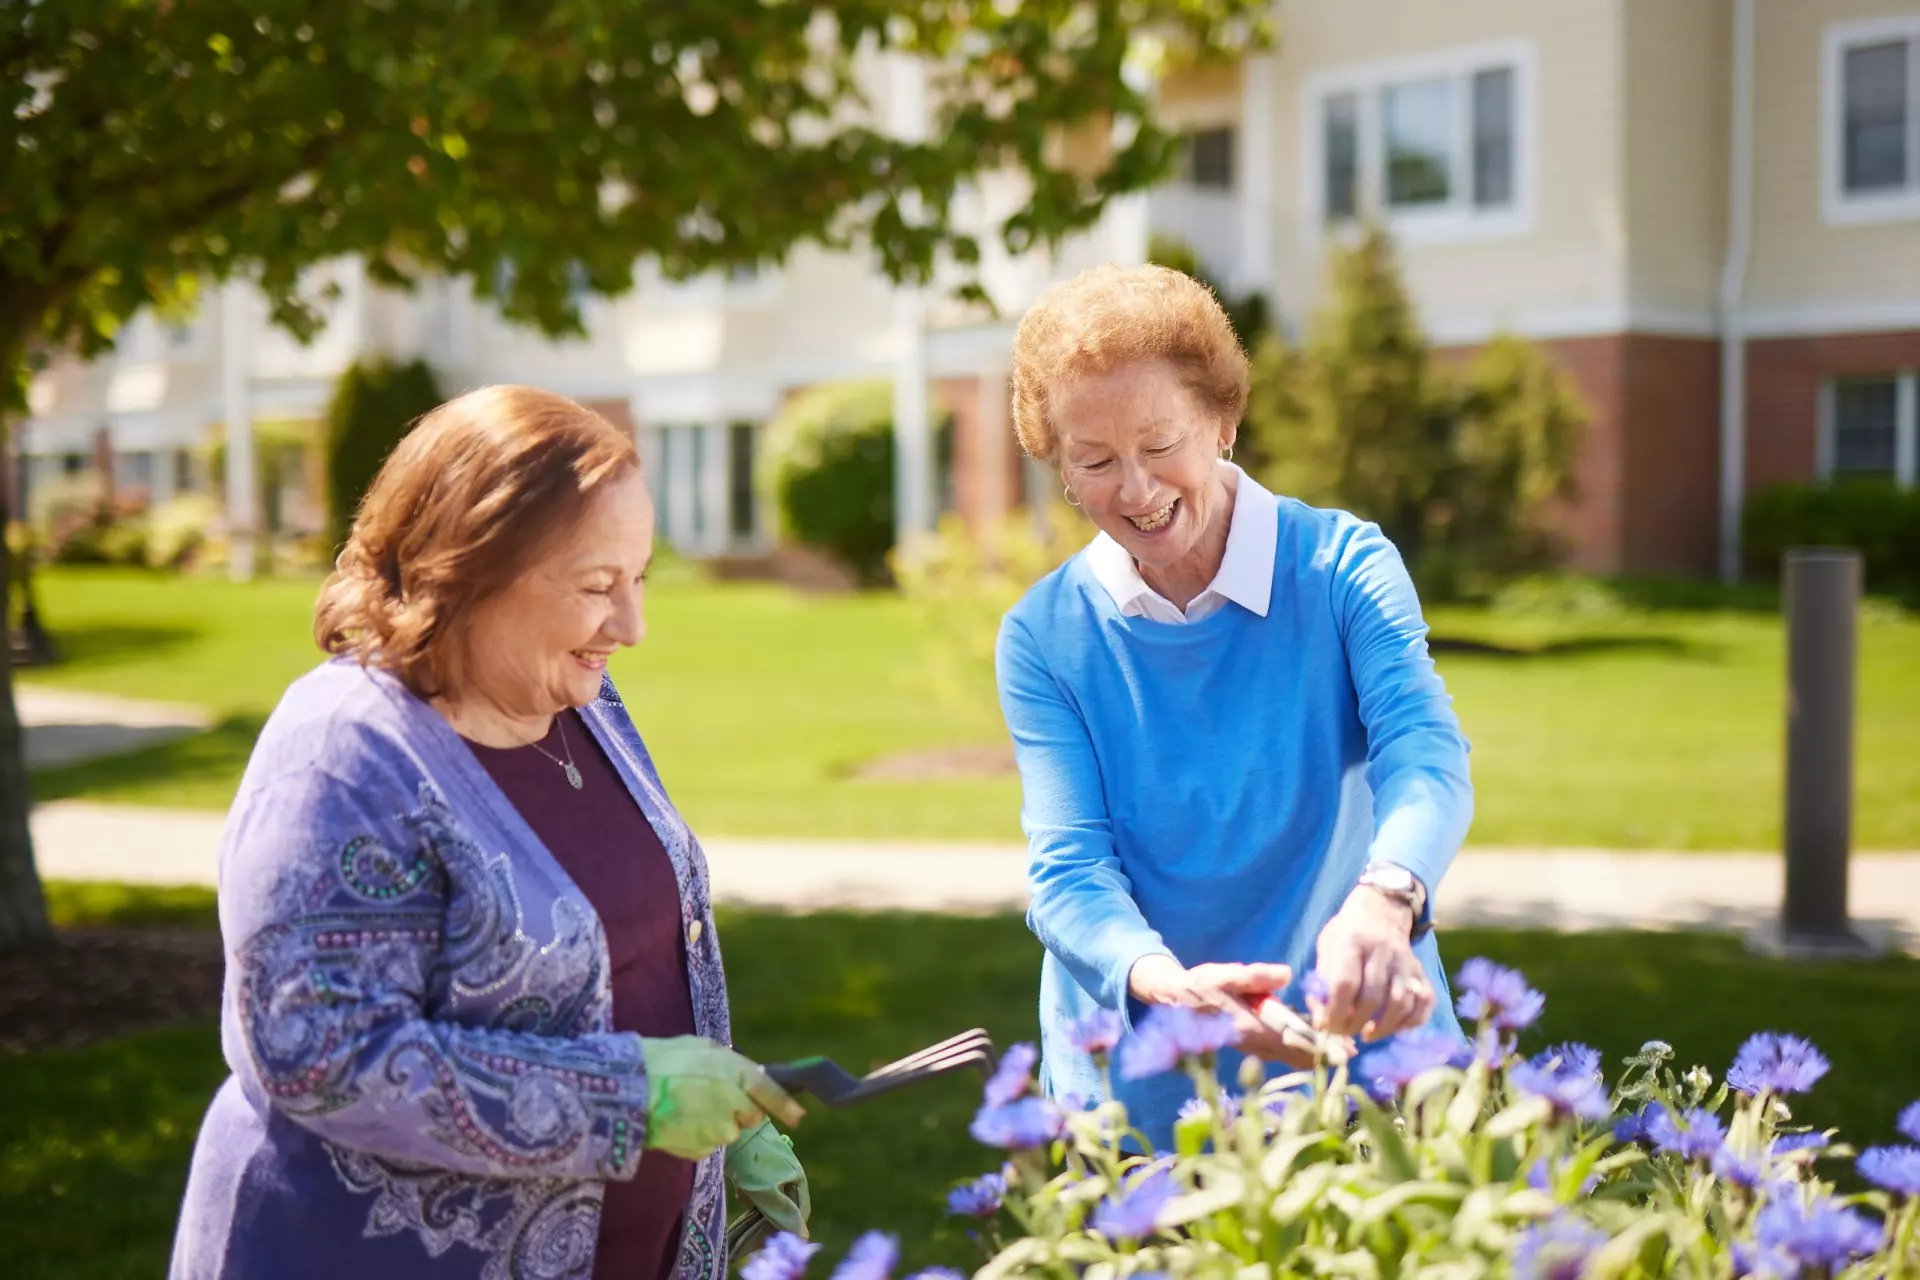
982, 439
1783, 394
1647, 469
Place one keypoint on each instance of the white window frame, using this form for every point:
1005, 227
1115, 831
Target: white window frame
1906, 426
1458, 220
1838, 207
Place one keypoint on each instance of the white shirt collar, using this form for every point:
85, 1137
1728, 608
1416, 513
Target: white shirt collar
1245, 576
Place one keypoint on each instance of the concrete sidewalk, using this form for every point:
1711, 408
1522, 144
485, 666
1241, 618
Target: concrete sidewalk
1538, 888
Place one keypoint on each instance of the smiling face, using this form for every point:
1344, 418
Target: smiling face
542, 645
1138, 450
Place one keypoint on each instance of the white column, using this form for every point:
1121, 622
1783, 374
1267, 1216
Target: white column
713, 489
1254, 181
913, 499
1733, 284
1906, 433
236, 407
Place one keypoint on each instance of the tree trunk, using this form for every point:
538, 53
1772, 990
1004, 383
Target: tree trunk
23, 907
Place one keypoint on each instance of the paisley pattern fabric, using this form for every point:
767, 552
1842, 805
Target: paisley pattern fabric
417, 1012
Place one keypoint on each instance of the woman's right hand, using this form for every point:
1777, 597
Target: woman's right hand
702, 1095
1233, 989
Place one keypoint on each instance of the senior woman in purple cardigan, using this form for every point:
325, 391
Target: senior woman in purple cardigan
1237, 761
474, 1008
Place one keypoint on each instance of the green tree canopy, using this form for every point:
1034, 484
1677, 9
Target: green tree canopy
152, 144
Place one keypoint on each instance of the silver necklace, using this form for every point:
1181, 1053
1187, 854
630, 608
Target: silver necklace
567, 766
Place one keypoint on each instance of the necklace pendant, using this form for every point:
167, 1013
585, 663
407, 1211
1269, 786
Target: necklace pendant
573, 775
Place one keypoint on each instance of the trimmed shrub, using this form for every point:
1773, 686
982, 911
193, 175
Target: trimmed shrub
827, 465
1880, 520
374, 405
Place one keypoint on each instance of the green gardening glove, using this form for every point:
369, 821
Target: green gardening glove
701, 1096
764, 1169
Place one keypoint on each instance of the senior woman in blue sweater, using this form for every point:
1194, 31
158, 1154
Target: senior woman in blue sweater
1238, 763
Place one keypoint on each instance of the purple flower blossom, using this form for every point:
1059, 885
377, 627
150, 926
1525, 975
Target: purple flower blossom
1787, 1142
1131, 1212
1313, 987
1011, 1078
1909, 1122
1024, 1123
1557, 1249
1694, 1136
871, 1258
1632, 1127
1821, 1235
1170, 1033
1731, 1166
1098, 1032
938, 1273
1197, 1109
980, 1198
1762, 1263
784, 1257
1774, 1063
1396, 1064
1895, 1169
1567, 1076
1497, 996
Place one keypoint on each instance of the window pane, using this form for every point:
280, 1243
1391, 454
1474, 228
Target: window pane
1865, 416
1493, 139
1210, 159
1876, 123
1342, 147
1419, 135
740, 481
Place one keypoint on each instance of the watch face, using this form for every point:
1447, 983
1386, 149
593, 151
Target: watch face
1396, 879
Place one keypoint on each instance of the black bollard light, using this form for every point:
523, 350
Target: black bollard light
1822, 604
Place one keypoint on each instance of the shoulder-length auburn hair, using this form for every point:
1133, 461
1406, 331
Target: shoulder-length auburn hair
468, 500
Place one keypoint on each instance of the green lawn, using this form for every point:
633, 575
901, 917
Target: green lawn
1655, 728
94, 1142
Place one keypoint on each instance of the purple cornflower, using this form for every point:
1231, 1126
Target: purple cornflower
871, 1258
938, 1273
1098, 1032
1694, 1136
1895, 1169
1024, 1123
1131, 1212
1730, 1166
1170, 1033
1396, 1064
1822, 1235
1197, 1109
1496, 995
1909, 1122
1313, 987
1632, 1127
1774, 1063
1557, 1249
1011, 1078
784, 1257
1762, 1263
1567, 1076
1789, 1142
980, 1198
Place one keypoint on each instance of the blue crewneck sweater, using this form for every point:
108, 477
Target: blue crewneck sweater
1211, 790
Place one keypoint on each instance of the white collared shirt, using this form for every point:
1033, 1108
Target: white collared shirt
1245, 576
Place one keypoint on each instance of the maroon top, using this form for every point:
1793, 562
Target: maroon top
605, 843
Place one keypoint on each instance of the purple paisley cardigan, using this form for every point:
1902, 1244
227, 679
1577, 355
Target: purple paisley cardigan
417, 1012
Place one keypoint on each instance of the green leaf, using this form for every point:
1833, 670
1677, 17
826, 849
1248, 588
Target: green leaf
1464, 1111
1518, 1117
1389, 1143
1306, 1189
1223, 1190
1394, 1199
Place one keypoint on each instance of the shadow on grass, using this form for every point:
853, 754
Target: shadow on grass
205, 763
1573, 647
104, 644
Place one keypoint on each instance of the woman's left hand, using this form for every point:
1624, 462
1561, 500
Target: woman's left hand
1376, 986
767, 1174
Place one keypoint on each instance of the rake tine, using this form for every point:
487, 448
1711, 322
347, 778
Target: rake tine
967, 1041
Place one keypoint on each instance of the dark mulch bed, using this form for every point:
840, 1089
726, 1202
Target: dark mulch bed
92, 984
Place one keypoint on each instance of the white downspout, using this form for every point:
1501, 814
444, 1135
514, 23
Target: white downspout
1733, 284
913, 478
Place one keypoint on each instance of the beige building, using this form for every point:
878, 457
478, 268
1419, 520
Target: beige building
1707, 210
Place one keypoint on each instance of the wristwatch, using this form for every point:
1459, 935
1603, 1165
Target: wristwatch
1401, 885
